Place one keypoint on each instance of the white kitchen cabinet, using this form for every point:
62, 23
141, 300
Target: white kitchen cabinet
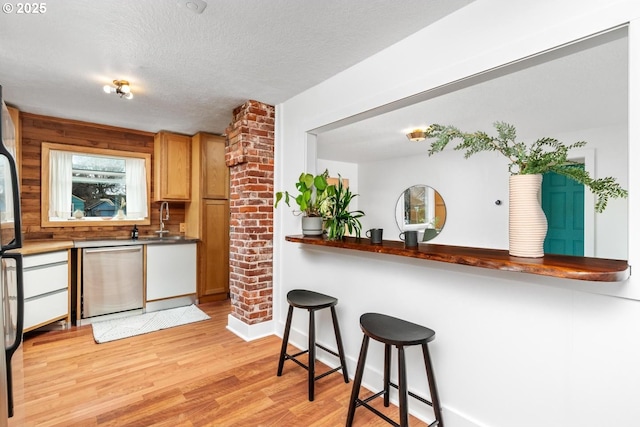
46, 289
171, 271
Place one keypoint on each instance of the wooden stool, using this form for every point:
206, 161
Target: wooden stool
312, 301
399, 333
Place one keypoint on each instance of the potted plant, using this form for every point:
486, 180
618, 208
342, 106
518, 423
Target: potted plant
312, 199
527, 163
338, 218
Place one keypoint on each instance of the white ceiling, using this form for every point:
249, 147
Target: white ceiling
577, 87
187, 70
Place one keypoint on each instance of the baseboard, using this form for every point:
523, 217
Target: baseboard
249, 332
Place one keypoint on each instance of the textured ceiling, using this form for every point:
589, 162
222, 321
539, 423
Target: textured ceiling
188, 71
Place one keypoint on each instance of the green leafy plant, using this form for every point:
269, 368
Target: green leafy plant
339, 219
544, 155
313, 194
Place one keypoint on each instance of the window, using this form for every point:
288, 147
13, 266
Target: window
94, 185
98, 187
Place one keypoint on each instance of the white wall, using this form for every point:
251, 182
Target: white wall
511, 349
345, 170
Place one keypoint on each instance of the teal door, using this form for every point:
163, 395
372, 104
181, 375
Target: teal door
563, 204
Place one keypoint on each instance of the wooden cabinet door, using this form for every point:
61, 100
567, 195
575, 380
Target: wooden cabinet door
214, 257
215, 180
172, 167
15, 118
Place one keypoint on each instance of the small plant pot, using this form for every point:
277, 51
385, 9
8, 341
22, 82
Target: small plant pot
312, 225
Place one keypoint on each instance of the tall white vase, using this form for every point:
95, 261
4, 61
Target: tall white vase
527, 222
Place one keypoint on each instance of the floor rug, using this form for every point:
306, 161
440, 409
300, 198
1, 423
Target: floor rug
110, 330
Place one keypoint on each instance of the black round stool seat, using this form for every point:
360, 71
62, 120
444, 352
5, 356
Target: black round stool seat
312, 302
394, 332
309, 300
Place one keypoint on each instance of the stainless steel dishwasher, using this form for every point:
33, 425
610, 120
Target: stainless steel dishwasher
112, 280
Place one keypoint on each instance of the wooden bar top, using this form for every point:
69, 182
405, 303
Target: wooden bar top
561, 266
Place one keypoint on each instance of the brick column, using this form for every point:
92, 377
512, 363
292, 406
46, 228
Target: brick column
249, 155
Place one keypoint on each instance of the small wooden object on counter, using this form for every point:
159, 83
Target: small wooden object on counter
561, 266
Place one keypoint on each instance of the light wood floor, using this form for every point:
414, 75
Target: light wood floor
193, 375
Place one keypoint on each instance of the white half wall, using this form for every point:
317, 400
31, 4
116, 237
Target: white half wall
511, 349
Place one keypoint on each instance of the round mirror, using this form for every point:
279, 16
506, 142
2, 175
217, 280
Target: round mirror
421, 208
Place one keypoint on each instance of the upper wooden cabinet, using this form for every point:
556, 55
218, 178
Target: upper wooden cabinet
172, 167
215, 173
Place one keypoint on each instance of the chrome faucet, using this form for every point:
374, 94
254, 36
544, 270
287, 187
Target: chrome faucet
164, 206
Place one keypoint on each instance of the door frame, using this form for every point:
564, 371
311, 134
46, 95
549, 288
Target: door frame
587, 157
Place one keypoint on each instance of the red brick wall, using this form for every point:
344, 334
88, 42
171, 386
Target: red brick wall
249, 155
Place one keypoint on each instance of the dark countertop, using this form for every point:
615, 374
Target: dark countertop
33, 247
143, 240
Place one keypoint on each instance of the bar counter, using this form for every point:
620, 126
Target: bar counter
561, 266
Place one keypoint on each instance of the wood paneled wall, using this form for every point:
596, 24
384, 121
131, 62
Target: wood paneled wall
38, 129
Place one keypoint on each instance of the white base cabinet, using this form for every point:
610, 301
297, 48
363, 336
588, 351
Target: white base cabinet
46, 289
171, 270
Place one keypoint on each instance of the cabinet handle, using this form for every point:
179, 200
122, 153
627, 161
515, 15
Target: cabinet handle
114, 249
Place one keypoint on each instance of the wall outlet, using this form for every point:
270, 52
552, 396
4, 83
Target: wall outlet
183, 227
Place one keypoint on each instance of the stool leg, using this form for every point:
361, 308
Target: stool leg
402, 388
355, 391
285, 340
336, 329
312, 353
435, 399
387, 373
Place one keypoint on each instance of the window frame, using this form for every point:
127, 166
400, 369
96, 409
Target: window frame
47, 147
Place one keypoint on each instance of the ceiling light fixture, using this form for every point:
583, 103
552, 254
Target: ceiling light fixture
417, 135
121, 88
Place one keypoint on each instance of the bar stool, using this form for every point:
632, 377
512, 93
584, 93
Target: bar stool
399, 333
312, 301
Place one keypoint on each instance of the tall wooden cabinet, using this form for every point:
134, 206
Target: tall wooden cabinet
172, 167
214, 258
207, 215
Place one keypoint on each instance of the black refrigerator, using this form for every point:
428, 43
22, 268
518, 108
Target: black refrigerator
11, 285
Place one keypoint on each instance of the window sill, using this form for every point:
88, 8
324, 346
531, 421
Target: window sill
560, 266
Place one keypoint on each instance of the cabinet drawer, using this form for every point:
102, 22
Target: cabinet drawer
42, 280
31, 261
43, 309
